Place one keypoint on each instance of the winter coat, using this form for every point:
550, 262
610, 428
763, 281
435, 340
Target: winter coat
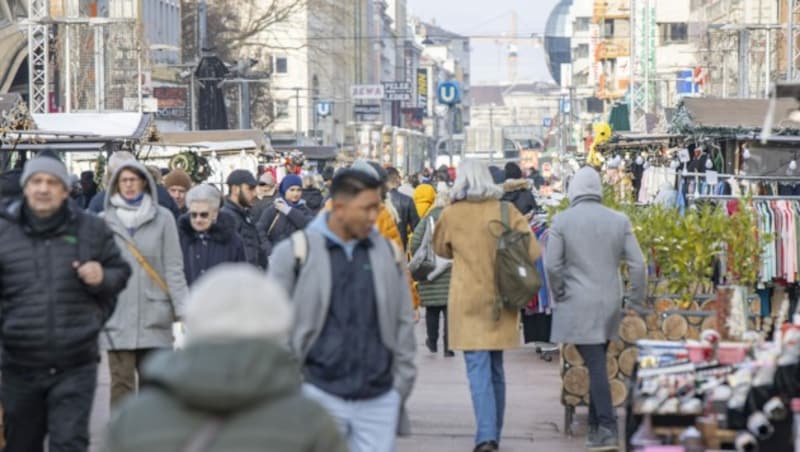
144, 314
98, 202
314, 199
219, 244
274, 226
311, 292
246, 228
407, 212
260, 205
431, 293
251, 386
424, 197
50, 318
587, 244
518, 192
463, 234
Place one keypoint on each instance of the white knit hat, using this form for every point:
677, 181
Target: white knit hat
236, 301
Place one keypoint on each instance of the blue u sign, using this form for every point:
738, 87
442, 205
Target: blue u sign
449, 92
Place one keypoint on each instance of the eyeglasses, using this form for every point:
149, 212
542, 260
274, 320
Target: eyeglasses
264, 184
203, 215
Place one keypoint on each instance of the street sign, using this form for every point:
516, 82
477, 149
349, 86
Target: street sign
367, 109
367, 92
397, 91
547, 122
449, 92
324, 108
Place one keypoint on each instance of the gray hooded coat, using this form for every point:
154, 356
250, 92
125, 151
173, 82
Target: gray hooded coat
587, 244
144, 314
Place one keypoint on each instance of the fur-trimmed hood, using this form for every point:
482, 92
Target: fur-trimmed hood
512, 185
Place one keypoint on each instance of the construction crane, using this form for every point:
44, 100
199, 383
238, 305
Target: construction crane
511, 44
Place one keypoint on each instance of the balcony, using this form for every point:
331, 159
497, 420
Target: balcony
612, 48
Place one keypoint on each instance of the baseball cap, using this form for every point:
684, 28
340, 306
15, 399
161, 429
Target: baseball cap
241, 177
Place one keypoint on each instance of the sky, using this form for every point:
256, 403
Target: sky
476, 18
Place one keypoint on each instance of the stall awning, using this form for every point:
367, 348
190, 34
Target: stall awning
311, 152
134, 126
731, 117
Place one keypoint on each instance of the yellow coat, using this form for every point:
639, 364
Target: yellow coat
424, 197
462, 234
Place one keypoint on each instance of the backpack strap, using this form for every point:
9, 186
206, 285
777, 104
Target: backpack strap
299, 251
504, 215
398, 253
203, 438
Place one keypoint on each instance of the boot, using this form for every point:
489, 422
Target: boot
431, 345
604, 440
591, 435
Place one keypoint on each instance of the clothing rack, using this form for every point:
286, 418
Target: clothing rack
697, 196
697, 177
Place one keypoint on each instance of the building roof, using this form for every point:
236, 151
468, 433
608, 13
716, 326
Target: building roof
256, 137
96, 125
494, 94
734, 114
437, 33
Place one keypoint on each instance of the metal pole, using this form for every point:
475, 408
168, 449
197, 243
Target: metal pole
491, 134
767, 62
241, 105
67, 71
192, 103
450, 133
297, 116
202, 13
139, 76
246, 104
743, 79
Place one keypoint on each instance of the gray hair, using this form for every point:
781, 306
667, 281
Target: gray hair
442, 197
204, 193
474, 183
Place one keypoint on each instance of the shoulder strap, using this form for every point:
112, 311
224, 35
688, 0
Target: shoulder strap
272, 226
151, 272
203, 438
504, 214
299, 251
397, 252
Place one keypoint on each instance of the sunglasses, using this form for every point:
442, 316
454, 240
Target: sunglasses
264, 184
203, 215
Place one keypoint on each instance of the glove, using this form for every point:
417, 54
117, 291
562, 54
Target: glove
282, 206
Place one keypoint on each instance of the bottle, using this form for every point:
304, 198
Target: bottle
692, 440
796, 411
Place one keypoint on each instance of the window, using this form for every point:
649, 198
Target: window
673, 33
608, 28
582, 51
582, 23
281, 65
281, 108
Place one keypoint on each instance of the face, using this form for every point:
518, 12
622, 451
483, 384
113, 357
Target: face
130, 184
357, 215
294, 194
45, 194
202, 216
264, 190
178, 193
246, 195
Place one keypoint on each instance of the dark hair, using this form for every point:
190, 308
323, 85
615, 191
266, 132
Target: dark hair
392, 174
349, 183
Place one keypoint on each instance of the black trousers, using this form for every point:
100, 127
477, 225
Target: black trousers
42, 402
432, 323
601, 410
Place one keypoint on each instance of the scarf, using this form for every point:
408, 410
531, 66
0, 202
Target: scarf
45, 226
132, 215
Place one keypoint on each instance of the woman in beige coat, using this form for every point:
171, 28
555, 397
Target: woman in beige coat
463, 234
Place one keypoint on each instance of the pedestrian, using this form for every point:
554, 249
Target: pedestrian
517, 190
60, 273
434, 291
587, 244
148, 237
178, 183
424, 197
266, 192
76, 191
353, 331
464, 233
88, 187
98, 201
208, 237
404, 205
312, 194
236, 320
241, 193
287, 214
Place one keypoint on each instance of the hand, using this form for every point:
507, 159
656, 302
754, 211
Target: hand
91, 273
416, 315
282, 207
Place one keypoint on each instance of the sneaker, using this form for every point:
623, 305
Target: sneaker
591, 435
431, 345
604, 439
449, 354
486, 446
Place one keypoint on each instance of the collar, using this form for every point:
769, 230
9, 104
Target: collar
320, 225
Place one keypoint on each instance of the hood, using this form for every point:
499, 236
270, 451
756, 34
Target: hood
585, 184
424, 197
221, 231
151, 188
512, 185
224, 377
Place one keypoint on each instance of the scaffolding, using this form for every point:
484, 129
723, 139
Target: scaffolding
643, 63
38, 58
793, 35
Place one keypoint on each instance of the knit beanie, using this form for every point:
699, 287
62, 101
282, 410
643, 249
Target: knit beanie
178, 177
291, 180
49, 165
513, 171
236, 301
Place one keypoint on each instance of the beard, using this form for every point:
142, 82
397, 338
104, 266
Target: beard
243, 201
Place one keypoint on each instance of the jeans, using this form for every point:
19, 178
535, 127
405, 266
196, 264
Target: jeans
487, 385
124, 367
367, 425
601, 410
41, 402
432, 324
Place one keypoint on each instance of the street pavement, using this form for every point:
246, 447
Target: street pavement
441, 409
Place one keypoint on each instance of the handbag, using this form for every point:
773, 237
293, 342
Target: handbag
424, 260
151, 272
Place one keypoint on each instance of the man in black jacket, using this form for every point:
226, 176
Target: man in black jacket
60, 273
241, 193
404, 205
